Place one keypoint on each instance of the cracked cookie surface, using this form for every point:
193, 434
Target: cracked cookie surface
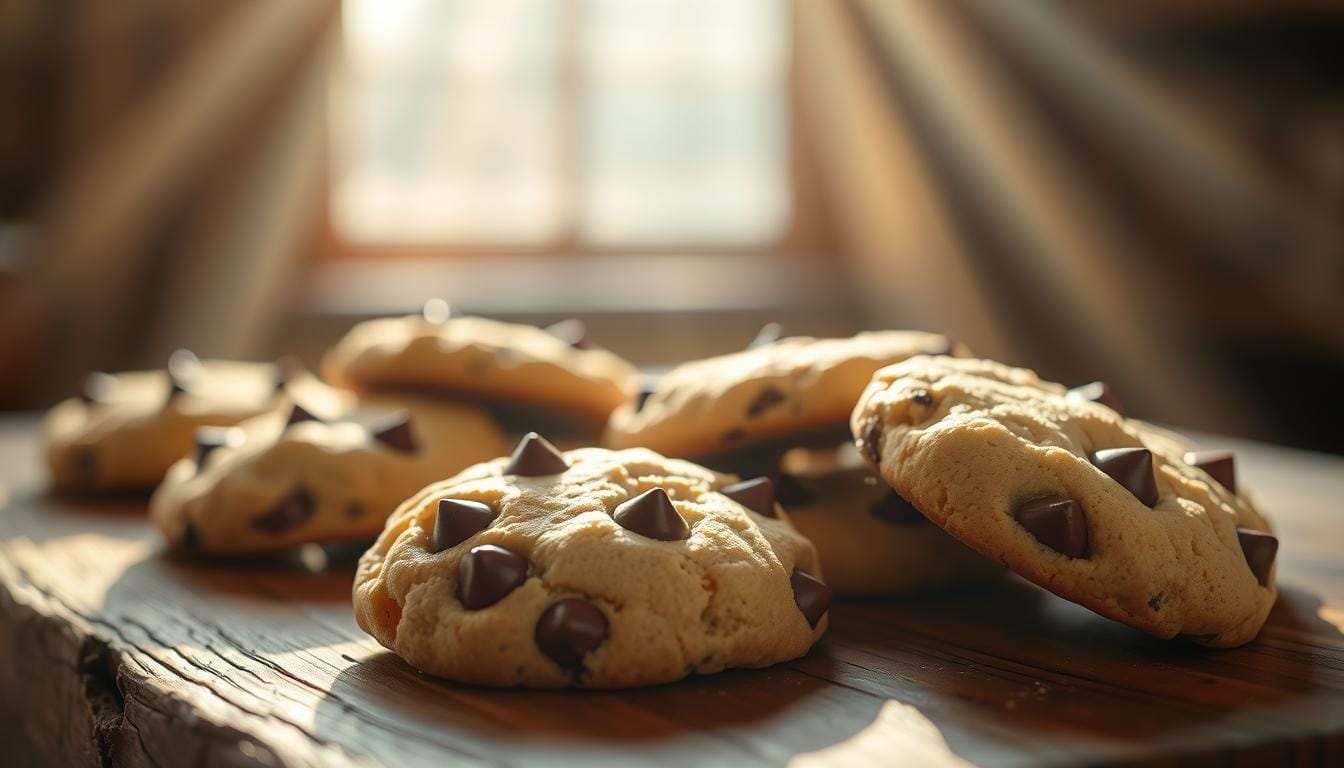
1096, 508
793, 385
476, 357
315, 474
125, 430
590, 568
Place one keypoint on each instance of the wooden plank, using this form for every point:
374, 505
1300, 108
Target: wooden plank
112, 653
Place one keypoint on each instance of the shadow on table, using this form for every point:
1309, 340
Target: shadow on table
735, 715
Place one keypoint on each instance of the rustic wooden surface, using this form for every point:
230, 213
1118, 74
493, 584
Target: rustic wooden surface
112, 654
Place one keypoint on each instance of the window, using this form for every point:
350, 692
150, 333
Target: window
556, 125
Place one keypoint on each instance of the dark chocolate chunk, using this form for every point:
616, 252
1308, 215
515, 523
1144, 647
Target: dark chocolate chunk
1057, 522
642, 397
210, 438
946, 346
894, 509
573, 332
459, 520
757, 494
767, 399
395, 432
95, 387
437, 311
810, 595
487, 574
733, 435
769, 334
190, 538
1221, 466
1131, 468
287, 513
1259, 549
86, 466
299, 414
652, 514
184, 367
790, 492
287, 369
569, 630
871, 443
535, 457
923, 398
1098, 392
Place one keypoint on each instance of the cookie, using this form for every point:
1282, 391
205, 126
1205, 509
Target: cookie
1068, 493
870, 540
123, 431
291, 477
590, 568
560, 373
740, 411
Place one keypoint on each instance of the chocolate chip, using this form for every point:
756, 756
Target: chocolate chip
176, 386
1098, 392
810, 595
1221, 466
1057, 522
535, 457
287, 513
573, 332
459, 520
437, 311
95, 387
86, 466
1132, 468
184, 367
757, 494
569, 630
190, 538
945, 347
1259, 548
767, 399
642, 397
790, 491
487, 574
923, 398
210, 438
395, 432
287, 369
652, 514
299, 414
733, 435
894, 509
871, 443
769, 334
1155, 603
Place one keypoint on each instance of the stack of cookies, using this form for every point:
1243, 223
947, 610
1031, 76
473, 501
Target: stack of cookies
728, 502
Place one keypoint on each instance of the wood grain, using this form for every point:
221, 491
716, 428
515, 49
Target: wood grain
113, 654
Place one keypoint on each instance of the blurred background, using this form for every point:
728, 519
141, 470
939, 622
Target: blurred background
1150, 193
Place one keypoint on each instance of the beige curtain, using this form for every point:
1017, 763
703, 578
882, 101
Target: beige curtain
189, 142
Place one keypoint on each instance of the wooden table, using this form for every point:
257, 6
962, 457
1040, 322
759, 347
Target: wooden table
112, 654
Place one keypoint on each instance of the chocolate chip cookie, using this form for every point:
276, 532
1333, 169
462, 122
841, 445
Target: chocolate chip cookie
123, 431
739, 412
590, 568
870, 540
308, 475
1068, 493
556, 374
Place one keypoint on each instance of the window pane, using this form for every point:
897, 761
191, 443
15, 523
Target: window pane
447, 121
684, 121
